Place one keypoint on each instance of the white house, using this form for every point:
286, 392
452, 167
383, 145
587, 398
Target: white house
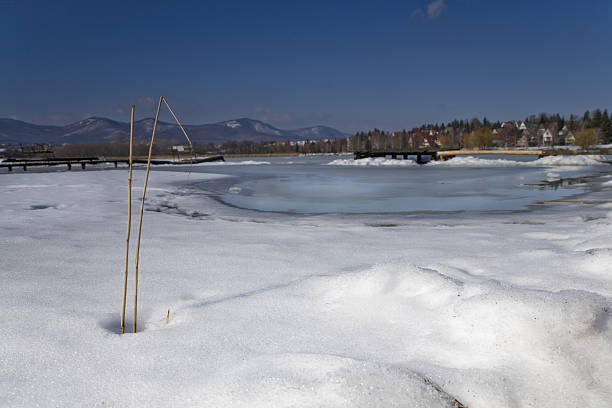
547, 138
567, 135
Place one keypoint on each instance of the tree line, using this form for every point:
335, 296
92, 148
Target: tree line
163, 147
535, 130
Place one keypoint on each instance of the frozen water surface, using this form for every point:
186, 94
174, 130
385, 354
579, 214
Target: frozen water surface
316, 185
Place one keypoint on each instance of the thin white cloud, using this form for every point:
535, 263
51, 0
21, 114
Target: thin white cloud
146, 102
431, 11
435, 9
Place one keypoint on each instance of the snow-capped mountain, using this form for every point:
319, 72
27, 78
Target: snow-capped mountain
103, 130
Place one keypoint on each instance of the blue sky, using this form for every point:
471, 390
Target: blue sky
353, 65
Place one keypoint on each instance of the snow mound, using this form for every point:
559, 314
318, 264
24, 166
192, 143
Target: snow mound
597, 261
475, 161
473, 325
578, 160
372, 161
319, 380
467, 161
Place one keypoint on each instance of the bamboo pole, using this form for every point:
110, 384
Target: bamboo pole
144, 193
129, 224
178, 122
182, 129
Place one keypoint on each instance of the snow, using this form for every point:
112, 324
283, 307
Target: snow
581, 160
234, 163
578, 160
470, 161
232, 124
372, 161
261, 128
498, 311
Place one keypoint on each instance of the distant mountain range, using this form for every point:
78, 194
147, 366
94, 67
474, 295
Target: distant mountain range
103, 130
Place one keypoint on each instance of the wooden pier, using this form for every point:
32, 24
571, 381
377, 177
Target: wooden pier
84, 161
395, 154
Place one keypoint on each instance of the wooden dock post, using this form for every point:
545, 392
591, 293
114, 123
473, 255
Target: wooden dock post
83, 165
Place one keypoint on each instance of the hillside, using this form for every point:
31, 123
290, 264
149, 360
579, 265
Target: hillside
101, 130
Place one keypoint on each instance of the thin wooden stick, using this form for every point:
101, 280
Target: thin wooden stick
181, 126
144, 193
168, 317
129, 224
179, 123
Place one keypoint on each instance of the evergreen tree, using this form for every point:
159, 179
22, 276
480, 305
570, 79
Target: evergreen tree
606, 126
596, 120
572, 123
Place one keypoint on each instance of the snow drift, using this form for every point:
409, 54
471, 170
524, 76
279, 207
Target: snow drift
504, 311
578, 160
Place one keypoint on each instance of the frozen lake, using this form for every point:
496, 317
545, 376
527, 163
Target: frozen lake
326, 184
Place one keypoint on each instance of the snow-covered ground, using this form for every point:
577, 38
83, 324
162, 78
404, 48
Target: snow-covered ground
493, 311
